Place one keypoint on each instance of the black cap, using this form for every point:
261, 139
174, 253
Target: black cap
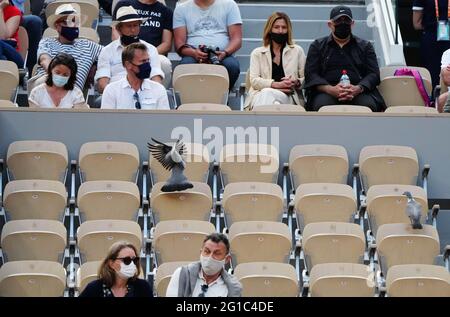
340, 11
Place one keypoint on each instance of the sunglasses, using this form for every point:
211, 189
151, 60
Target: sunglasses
137, 104
127, 260
204, 290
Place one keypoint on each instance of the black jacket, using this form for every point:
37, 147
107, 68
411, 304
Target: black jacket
137, 288
362, 56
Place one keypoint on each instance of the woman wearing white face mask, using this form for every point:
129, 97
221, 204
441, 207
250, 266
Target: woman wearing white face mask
59, 91
206, 278
118, 275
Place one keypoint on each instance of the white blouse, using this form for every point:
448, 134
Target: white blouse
40, 97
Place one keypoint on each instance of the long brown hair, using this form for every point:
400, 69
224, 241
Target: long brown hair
105, 272
269, 24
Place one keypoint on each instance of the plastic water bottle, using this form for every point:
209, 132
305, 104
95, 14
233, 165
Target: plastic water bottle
345, 80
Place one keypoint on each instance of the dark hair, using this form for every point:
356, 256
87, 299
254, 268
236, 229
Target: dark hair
68, 61
217, 238
128, 52
105, 272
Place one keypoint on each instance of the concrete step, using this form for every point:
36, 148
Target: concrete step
312, 29
296, 11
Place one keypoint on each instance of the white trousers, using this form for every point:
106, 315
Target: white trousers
270, 96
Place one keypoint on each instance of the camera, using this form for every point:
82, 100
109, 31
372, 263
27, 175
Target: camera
211, 51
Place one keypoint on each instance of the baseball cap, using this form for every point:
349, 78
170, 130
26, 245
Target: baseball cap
340, 11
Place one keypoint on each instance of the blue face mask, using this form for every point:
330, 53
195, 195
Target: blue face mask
59, 81
144, 70
70, 33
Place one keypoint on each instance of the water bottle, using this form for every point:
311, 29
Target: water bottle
345, 80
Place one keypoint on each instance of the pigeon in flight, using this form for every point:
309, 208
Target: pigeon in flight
413, 211
171, 158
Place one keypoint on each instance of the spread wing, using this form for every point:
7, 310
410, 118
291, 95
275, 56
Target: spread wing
159, 152
180, 147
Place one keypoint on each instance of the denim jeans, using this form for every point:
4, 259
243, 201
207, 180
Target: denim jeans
9, 53
33, 25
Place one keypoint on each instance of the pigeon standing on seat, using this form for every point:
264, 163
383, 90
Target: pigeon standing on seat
413, 211
171, 157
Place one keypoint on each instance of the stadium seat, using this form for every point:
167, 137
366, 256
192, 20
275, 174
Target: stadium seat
388, 164
87, 273
35, 239
109, 161
197, 164
35, 199
252, 162
279, 108
260, 241
85, 33
89, 9
319, 202
9, 77
163, 274
32, 279
411, 109
333, 242
191, 204
37, 160
203, 107
345, 109
95, 237
398, 244
386, 204
318, 163
267, 279
180, 240
387, 71
252, 201
7, 104
23, 43
341, 280
418, 280
99, 200
201, 83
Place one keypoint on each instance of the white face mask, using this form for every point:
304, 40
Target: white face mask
127, 271
211, 266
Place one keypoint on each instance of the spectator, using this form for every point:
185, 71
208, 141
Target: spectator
106, 5
10, 17
213, 23
110, 66
329, 56
118, 275
277, 68
135, 90
445, 77
428, 15
66, 21
156, 29
33, 25
59, 91
206, 278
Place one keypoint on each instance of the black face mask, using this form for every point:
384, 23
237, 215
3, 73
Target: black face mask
279, 38
342, 30
70, 33
127, 40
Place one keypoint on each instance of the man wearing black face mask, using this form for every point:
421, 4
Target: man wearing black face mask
341, 52
135, 90
110, 68
66, 21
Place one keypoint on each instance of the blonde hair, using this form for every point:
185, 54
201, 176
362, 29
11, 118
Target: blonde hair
269, 24
105, 272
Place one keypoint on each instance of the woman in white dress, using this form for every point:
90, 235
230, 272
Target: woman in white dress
59, 90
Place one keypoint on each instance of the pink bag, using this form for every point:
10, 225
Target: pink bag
419, 82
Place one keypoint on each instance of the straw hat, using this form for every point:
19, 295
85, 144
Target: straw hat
67, 10
127, 14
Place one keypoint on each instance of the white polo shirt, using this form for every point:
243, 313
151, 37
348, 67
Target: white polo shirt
110, 62
120, 95
215, 289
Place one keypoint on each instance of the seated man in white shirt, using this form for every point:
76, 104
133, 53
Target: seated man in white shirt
109, 68
206, 278
443, 103
135, 90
